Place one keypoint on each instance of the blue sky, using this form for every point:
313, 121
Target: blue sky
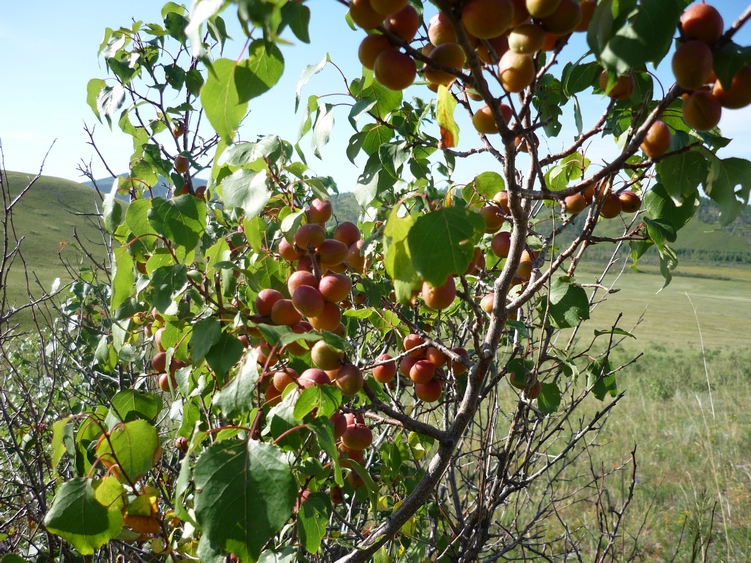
48, 53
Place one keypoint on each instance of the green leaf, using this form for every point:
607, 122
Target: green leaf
132, 447
724, 176
144, 236
312, 519
682, 173
568, 303
601, 378
93, 88
236, 397
580, 77
224, 354
86, 513
60, 431
324, 431
206, 333
662, 209
728, 60
307, 73
168, 283
112, 211
297, 16
326, 398
647, 37
322, 127
221, 101
260, 71
455, 231
549, 399
486, 184
567, 170
244, 495
247, 190
123, 279
397, 256
130, 404
376, 134
181, 219
444, 113
393, 156
109, 101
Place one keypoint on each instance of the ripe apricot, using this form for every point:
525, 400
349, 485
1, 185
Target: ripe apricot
483, 119
430, 391
493, 217
457, 366
386, 371
332, 252
329, 319
265, 301
440, 30
692, 64
310, 235
301, 278
516, 71
487, 18
355, 259
702, 22
349, 380
395, 70
413, 341
542, 8
440, 297
403, 23
621, 90
521, 14
501, 244
284, 313
449, 55
435, 356
702, 110
386, 7
630, 202
611, 206
575, 204
370, 47
335, 287
657, 141
739, 95
347, 232
588, 9
486, 303
288, 251
357, 437
501, 198
182, 164
320, 210
564, 18
308, 301
422, 371
499, 45
363, 14
526, 39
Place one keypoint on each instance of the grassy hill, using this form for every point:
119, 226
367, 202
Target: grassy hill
47, 220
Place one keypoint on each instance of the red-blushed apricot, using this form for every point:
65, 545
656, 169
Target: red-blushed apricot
501, 244
534, 390
336, 495
526, 264
372, 46
739, 94
412, 341
406, 363
320, 210
657, 141
440, 30
395, 70
335, 287
630, 202
575, 204
347, 232
564, 19
692, 64
284, 313
702, 110
325, 356
299, 278
551, 42
265, 301
702, 22
310, 235
272, 396
487, 18
588, 10
386, 7
288, 251
159, 362
313, 376
386, 371
516, 71
363, 14
182, 164
357, 437
403, 23
521, 14
329, 319
355, 480
449, 55
477, 264
526, 39
493, 217
486, 303
435, 356
499, 45
340, 423
355, 258
167, 382
611, 206
332, 252
430, 391
621, 90
501, 199
483, 119
284, 377
349, 380
308, 301
590, 191
297, 348
542, 8
422, 371
457, 366
440, 297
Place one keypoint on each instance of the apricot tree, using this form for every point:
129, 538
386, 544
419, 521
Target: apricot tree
287, 385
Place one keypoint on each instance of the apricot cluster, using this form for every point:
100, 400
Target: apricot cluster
611, 204
693, 61
354, 437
